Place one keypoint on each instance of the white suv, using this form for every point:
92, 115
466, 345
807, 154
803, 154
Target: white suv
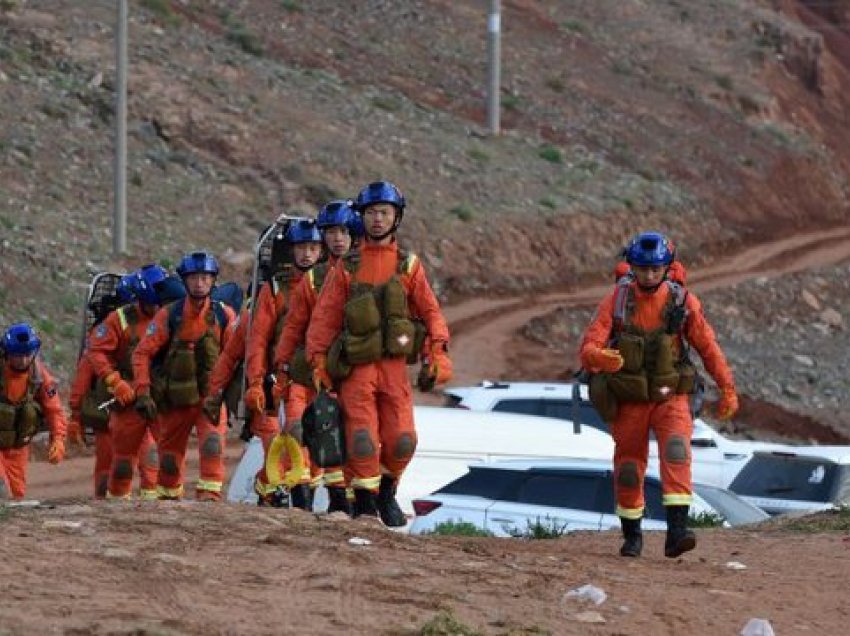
506, 497
716, 459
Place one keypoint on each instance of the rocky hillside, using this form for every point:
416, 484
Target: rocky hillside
720, 121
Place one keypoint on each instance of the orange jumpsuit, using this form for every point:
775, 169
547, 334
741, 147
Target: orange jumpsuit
176, 424
272, 305
81, 385
132, 437
232, 354
14, 385
670, 419
301, 307
376, 399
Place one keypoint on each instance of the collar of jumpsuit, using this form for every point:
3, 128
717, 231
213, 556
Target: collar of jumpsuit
378, 263
649, 307
194, 323
15, 383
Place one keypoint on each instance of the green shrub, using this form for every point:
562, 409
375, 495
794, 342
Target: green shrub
463, 212
453, 528
548, 202
162, 10
293, 6
246, 39
511, 102
387, 102
478, 155
706, 520
547, 528
551, 154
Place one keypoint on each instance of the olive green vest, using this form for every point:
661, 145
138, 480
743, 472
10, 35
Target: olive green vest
19, 422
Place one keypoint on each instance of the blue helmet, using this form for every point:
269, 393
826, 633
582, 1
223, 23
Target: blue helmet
197, 263
127, 288
380, 192
148, 281
341, 212
303, 231
650, 249
20, 340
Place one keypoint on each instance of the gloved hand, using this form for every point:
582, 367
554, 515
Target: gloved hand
75, 431
321, 377
145, 404
436, 368
727, 406
211, 407
255, 397
56, 453
280, 389
120, 388
606, 360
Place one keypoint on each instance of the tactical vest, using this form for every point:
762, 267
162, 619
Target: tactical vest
656, 365
20, 421
183, 377
377, 323
90, 415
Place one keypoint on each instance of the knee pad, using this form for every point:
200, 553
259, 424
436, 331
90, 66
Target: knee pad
169, 465
211, 446
676, 450
627, 475
361, 444
123, 469
404, 447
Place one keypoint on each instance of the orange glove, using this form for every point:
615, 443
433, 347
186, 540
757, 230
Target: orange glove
255, 397
606, 360
321, 378
120, 388
727, 406
441, 364
75, 431
57, 451
280, 390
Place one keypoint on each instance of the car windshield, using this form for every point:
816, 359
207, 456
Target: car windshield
482, 482
733, 509
787, 477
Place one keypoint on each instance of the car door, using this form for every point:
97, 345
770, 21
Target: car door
563, 501
654, 515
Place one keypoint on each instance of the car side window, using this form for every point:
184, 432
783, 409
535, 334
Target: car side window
560, 491
529, 406
484, 482
563, 409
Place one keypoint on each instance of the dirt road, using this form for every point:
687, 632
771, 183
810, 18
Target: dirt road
485, 331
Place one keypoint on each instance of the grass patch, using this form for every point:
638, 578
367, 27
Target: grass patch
574, 26
555, 84
446, 624
546, 528
478, 155
548, 202
706, 520
459, 529
835, 520
725, 82
387, 102
245, 39
550, 153
463, 212
293, 6
511, 102
621, 68
162, 10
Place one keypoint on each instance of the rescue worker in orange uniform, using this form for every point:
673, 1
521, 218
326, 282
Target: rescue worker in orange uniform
110, 354
28, 398
368, 301
190, 334
339, 224
637, 345
88, 394
232, 355
273, 302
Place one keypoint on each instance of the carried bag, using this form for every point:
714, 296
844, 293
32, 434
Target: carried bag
323, 431
337, 365
300, 370
90, 416
601, 397
8, 416
363, 349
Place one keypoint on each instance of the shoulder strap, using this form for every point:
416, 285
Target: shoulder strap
623, 303
127, 316
351, 261
677, 312
317, 275
406, 262
220, 315
175, 316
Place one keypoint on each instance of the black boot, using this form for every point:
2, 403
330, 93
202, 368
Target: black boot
633, 543
388, 507
364, 503
679, 538
302, 497
338, 500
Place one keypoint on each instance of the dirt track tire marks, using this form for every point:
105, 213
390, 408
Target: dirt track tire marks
484, 329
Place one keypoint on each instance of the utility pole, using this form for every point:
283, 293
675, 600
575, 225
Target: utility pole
494, 28
119, 215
